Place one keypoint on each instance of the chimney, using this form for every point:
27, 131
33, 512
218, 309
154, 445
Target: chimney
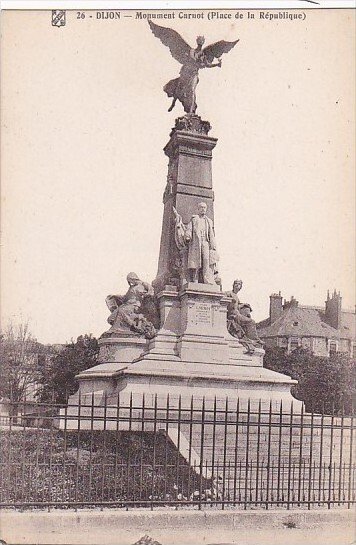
275, 307
333, 309
292, 303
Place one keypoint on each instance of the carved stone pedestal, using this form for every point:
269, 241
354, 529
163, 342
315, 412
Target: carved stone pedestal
121, 349
192, 355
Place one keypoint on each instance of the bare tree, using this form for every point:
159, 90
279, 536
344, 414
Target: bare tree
21, 358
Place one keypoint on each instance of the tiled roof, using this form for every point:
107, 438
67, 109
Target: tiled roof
348, 325
307, 321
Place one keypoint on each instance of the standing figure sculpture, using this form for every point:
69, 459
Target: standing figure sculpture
127, 310
183, 88
196, 242
239, 321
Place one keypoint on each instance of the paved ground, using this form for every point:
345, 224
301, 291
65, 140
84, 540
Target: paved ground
118, 527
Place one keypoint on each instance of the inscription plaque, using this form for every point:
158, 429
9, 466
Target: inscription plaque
202, 314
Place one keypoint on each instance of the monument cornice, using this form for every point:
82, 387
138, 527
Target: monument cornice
203, 192
210, 291
190, 143
206, 375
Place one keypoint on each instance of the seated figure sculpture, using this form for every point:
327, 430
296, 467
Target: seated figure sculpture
127, 311
239, 321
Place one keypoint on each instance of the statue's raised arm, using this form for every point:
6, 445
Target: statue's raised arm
192, 60
214, 51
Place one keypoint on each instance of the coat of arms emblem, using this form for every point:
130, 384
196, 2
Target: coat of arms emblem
58, 17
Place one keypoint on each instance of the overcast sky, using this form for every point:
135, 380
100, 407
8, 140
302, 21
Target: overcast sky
83, 172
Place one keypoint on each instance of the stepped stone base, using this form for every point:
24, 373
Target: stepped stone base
192, 355
156, 378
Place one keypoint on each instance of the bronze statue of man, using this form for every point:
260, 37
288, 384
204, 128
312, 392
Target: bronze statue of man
192, 60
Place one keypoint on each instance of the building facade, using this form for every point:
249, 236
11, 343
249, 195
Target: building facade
323, 330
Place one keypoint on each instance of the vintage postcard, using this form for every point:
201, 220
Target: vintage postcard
178, 334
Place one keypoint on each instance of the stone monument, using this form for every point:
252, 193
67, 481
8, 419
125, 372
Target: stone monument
184, 335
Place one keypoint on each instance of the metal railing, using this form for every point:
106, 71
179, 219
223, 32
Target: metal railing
145, 451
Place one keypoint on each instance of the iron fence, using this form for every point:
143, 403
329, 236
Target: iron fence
145, 451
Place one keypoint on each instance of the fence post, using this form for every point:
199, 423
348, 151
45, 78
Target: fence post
128, 461
258, 450
290, 454
301, 437
321, 447
331, 453
248, 420
268, 453
142, 444
202, 432
310, 456
78, 447
116, 442
226, 415
236, 445
351, 456
154, 446
341, 449
279, 450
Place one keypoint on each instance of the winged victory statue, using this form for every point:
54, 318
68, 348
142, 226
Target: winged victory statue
192, 60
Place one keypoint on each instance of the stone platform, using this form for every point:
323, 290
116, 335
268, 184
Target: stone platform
192, 355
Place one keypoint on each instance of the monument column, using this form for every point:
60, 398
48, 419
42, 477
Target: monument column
189, 181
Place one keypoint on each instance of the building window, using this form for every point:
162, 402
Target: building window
332, 347
294, 343
353, 353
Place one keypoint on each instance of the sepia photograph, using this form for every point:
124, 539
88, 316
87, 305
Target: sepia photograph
178, 320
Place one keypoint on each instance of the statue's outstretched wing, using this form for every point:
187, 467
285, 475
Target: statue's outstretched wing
216, 50
178, 47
